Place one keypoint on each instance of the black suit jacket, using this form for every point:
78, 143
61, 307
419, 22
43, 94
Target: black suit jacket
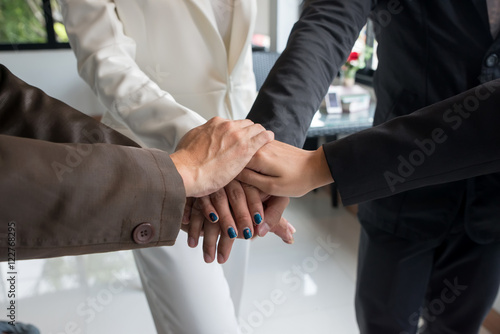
428, 51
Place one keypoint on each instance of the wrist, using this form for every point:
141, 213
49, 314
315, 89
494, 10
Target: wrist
185, 171
321, 174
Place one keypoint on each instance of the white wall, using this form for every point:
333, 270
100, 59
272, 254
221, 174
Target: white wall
276, 18
55, 72
283, 15
263, 19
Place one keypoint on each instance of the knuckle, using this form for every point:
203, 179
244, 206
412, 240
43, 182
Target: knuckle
226, 220
260, 127
237, 194
217, 197
237, 136
243, 219
216, 119
225, 126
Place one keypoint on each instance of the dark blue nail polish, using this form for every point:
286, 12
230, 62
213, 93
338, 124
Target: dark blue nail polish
246, 233
231, 232
258, 218
213, 217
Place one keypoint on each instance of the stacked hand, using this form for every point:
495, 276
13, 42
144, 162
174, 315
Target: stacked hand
283, 170
209, 156
220, 208
241, 211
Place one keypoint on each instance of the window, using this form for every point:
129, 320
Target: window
31, 24
367, 44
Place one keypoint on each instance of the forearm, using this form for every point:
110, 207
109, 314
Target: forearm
69, 199
434, 145
106, 61
318, 45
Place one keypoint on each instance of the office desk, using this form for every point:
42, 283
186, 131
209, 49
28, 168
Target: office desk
340, 124
330, 127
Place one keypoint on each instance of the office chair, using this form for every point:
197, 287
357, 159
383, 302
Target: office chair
262, 63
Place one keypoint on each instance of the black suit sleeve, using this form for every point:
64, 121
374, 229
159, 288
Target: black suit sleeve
318, 45
451, 140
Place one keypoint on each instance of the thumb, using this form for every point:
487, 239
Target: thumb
259, 181
261, 139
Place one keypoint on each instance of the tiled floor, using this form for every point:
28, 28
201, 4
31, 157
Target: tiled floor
307, 287
315, 275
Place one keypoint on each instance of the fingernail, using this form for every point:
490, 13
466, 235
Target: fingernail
257, 218
208, 258
264, 228
220, 258
231, 232
191, 242
246, 233
291, 228
213, 217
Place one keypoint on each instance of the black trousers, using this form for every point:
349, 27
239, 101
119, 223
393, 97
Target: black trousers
451, 283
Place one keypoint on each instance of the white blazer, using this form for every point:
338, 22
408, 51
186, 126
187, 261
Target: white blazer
160, 67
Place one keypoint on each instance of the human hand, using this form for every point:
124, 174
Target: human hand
283, 170
228, 209
203, 150
267, 217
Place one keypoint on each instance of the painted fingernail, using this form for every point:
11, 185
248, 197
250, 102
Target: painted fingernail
208, 258
231, 232
191, 242
257, 218
213, 217
246, 233
264, 228
220, 258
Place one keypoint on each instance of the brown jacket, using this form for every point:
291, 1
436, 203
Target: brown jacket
64, 190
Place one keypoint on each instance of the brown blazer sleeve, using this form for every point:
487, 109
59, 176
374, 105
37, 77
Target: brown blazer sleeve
69, 199
82, 196
451, 140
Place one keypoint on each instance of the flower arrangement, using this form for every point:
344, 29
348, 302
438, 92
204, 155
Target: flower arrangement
355, 61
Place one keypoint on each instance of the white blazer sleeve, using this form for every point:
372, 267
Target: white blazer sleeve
106, 61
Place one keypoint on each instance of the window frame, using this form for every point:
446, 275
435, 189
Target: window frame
51, 44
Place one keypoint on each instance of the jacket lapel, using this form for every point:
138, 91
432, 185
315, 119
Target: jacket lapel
205, 10
243, 23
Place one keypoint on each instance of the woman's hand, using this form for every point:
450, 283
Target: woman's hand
232, 212
280, 169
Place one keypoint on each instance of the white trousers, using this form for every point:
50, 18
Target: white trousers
188, 296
